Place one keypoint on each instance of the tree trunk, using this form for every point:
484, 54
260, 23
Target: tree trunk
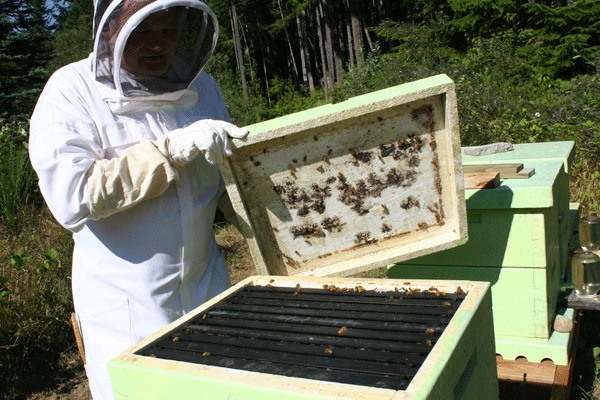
307, 77
238, 49
323, 50
292, 59
349, 36
356, 31
332, 50
339, 52
264, 67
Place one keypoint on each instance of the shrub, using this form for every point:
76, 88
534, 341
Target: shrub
35, 304
17, 179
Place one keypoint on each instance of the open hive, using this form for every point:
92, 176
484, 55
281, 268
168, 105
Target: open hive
344, 188
321, 338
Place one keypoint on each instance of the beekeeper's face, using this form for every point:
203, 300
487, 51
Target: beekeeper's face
151, 45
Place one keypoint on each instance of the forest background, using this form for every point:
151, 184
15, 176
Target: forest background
525, 71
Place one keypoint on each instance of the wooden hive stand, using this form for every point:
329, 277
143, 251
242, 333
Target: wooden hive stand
519, 379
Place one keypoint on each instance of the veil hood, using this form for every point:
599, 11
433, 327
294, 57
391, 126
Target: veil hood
148, 50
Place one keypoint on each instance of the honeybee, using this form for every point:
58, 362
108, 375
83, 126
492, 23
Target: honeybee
342, 330
206, 354
328, 351
430, 331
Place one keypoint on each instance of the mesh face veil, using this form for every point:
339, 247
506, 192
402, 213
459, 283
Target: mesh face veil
147, 48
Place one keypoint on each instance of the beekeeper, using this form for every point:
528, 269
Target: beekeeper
126, 144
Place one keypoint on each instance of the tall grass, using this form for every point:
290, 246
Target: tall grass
17, 179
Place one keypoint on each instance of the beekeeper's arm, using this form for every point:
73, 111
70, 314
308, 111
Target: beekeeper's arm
146, 170
76, 179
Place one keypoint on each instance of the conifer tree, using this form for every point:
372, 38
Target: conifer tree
25, 42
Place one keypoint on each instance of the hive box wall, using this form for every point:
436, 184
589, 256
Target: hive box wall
345, 188
523, 299
561, 151
461, 365
518, 240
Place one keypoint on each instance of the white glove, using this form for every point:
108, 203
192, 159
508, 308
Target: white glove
208, 136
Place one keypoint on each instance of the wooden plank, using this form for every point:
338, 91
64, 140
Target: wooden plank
569, 299
506, 171
525, 173
501, 168
482, 180
541, 381
520, 370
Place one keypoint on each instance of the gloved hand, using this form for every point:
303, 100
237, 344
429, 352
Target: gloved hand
208, 136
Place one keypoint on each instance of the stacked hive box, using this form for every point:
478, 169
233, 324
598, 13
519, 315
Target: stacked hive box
176, 364
519, 236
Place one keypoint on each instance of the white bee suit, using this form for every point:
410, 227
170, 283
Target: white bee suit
144, 247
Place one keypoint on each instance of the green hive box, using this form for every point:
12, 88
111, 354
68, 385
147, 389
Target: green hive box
518, 241
459, 363
522, 153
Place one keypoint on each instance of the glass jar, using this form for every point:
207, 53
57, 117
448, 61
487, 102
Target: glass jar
585, 267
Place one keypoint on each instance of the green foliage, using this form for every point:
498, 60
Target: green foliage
560, 42
473, 18
24, 55
17, 179
34, 307
73, 41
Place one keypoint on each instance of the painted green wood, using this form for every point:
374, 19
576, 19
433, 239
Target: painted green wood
300, 117
555, 348
534, 192
461, 365
522, 224
523, 299
469, 372
142, 382
564, 151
